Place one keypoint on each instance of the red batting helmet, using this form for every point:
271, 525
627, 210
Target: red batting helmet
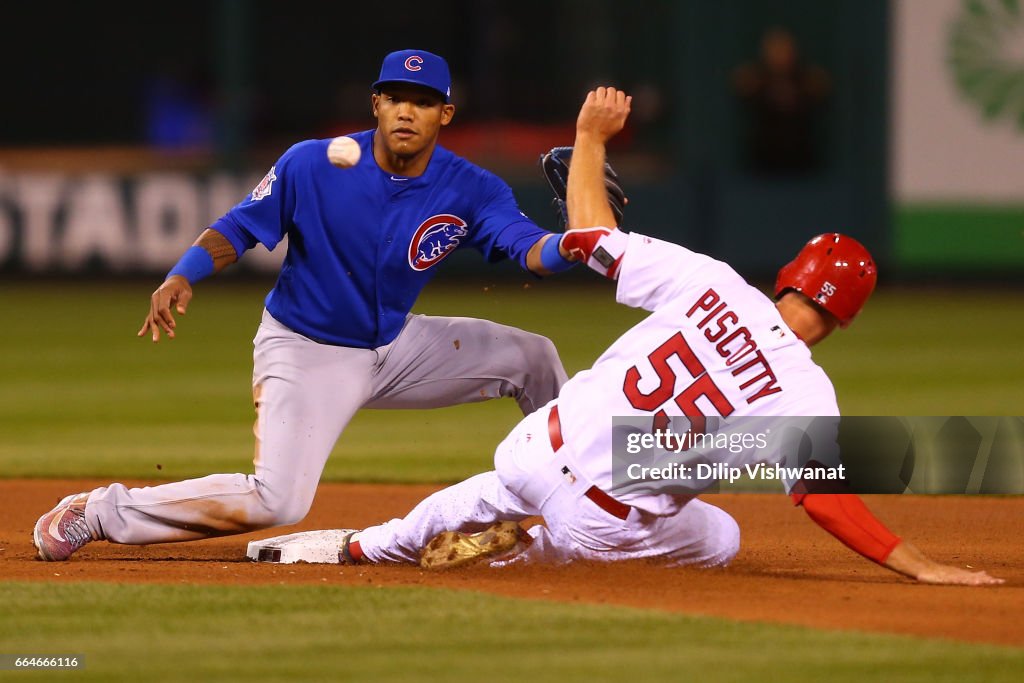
833, 270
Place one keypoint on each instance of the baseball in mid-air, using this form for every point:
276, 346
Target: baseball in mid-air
344, 152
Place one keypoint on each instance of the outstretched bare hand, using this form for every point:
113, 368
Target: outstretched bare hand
175, 291
603, 113
947, 575
906, 559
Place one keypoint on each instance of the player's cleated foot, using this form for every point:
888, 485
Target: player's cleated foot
62, 530
450, 549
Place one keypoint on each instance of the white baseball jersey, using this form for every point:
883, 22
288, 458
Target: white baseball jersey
713, 346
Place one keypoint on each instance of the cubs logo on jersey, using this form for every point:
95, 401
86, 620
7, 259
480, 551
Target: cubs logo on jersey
434, 239
266, 185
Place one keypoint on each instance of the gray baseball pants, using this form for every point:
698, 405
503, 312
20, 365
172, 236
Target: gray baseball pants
305, 394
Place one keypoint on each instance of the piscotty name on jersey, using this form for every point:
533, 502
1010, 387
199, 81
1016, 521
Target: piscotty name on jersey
735, 344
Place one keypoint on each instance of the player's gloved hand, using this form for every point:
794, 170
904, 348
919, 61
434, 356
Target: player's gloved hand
555, 166
175, 291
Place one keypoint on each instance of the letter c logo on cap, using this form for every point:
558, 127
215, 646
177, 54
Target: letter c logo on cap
413, 63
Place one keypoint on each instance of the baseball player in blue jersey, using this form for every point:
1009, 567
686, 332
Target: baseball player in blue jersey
337, 334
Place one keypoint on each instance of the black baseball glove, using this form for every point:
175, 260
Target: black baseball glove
555, 165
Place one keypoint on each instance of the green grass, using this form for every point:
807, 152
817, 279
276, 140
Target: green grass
931, 353
301, 633
82, 396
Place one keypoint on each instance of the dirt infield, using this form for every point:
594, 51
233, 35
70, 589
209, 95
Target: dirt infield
787, 571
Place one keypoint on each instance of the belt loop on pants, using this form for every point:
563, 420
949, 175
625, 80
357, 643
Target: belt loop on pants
599, 497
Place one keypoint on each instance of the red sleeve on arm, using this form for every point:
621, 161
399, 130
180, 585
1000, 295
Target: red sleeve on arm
847, 518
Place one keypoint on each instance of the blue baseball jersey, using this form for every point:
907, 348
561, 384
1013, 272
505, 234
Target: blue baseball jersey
363, 243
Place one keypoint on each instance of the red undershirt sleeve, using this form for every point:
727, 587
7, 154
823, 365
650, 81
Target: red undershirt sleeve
847, 518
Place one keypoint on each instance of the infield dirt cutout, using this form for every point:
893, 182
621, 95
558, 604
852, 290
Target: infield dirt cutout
788, 570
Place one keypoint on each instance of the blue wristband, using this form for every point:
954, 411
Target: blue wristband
552, 259
194, 265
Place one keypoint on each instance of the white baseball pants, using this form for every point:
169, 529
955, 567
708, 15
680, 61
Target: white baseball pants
528, 481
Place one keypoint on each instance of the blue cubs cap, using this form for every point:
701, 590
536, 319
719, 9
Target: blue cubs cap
418, 67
